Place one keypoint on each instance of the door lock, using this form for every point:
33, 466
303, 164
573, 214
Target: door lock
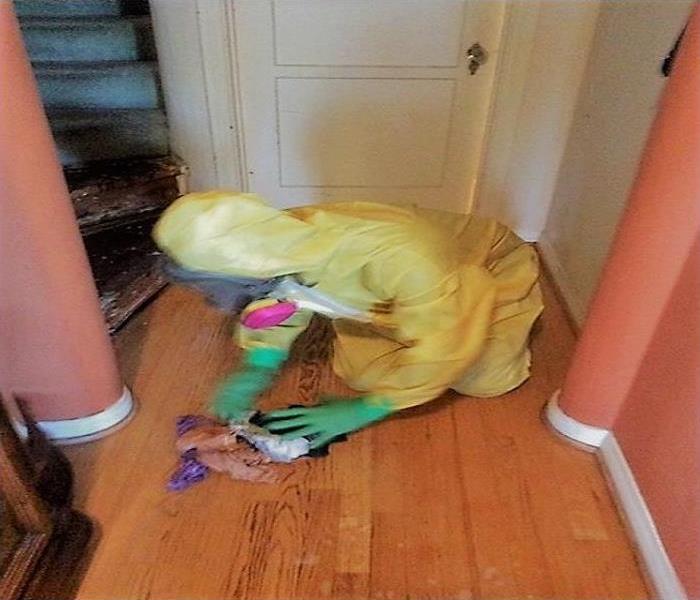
476, 56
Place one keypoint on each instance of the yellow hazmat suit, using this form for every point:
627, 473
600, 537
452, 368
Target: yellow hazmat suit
451, 298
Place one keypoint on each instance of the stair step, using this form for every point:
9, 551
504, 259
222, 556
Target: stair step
124, 262
83, 136
89, 39
99, 85
118, 192
117, 203
58, 8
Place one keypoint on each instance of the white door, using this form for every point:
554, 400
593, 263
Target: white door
364, 99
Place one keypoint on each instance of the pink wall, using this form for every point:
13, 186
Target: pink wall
654, 236
55, 352
636, 369
659, 425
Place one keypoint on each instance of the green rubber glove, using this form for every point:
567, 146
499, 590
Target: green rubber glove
326, 421
237, 394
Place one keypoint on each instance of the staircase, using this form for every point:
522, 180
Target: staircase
97, 71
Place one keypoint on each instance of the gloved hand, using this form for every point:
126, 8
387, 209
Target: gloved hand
237, 394
326, 421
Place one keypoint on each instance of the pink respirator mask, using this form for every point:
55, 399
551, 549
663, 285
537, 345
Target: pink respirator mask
267, 313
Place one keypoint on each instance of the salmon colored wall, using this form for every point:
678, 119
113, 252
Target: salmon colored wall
55, 352
660, 224
659, 425
636, 369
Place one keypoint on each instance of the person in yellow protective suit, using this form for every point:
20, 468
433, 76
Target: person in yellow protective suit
421, 300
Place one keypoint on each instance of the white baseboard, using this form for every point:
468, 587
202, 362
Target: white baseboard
630, 500
641, 524
571, 428
572, 297
92, 427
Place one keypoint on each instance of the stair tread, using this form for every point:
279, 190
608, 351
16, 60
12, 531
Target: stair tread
62, 118
124, 262
81, 38
109, 193
96, 112
123, 299
83, 7
83, 135
112, 174
83, 145
45, 67
84, 21
105, 85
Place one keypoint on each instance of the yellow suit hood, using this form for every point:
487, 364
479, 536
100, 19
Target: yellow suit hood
238, 234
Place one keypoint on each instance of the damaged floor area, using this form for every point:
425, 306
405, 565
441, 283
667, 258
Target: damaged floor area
462, 498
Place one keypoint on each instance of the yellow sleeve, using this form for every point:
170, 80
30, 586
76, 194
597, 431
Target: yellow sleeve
280, 336
441, 323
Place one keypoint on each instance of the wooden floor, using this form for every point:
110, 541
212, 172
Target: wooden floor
462, 499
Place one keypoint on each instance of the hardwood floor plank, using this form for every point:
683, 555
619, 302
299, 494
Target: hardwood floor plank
462, 498
510, 555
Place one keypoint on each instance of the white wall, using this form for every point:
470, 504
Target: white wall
616, 105
540, 70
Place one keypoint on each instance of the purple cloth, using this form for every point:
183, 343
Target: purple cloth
190, 471
186, 422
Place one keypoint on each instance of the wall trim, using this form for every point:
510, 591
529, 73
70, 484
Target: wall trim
575, 305
199, 88
630, 500
640, 522
219, 65
571, 428
518, 35
92, 427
